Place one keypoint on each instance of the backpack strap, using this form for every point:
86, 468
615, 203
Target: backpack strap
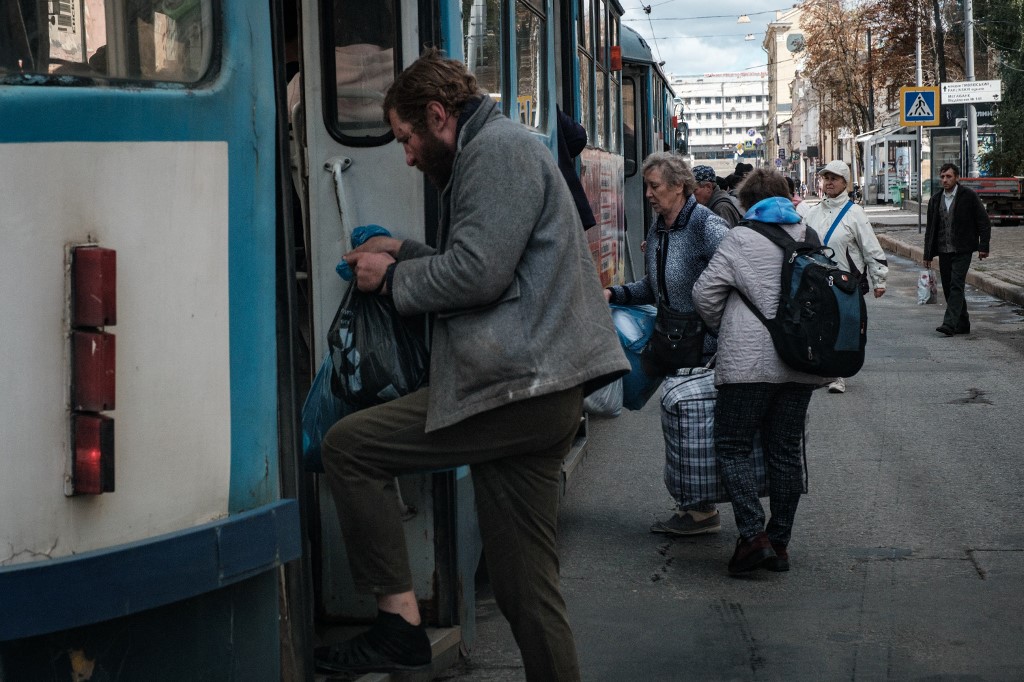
780, 238
753, 308
835, 224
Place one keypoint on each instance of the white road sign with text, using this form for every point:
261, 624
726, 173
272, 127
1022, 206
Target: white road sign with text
971, 92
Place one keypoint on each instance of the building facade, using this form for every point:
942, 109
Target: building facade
726, 115
784, 43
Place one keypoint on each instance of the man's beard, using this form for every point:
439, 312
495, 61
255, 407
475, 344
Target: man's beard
436, 160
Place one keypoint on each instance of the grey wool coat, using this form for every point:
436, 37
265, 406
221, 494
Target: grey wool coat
516, 302
747, 261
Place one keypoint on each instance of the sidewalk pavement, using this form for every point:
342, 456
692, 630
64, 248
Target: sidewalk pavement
1001, 274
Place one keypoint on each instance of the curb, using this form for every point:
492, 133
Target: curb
987, 283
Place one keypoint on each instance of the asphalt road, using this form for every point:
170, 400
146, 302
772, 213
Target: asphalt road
907, 554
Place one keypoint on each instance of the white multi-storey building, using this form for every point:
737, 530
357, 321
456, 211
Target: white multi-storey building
726, 114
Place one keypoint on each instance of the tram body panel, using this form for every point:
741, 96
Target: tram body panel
172, 339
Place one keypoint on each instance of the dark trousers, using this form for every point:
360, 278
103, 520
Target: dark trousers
515, 454
779, 411
953, 275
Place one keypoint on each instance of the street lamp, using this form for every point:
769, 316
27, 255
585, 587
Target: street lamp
744, 19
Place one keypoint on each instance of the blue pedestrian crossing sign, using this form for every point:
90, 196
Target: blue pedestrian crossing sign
919, 105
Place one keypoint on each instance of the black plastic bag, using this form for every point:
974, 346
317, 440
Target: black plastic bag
377, 355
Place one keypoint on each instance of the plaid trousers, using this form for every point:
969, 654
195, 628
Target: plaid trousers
779, 412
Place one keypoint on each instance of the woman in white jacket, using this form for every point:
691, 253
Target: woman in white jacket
852, 239
756, 390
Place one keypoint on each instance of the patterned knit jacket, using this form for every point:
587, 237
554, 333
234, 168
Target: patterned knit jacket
692, 241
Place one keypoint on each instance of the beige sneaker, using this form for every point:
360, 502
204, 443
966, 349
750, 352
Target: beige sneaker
689, 523
837, 386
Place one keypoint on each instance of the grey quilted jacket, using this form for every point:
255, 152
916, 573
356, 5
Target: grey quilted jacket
747, 261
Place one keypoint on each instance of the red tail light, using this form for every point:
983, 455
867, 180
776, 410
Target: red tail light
93, 286
93, 454
616, 58
92, 356
93, 306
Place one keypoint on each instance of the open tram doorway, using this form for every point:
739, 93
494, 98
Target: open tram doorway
344, 170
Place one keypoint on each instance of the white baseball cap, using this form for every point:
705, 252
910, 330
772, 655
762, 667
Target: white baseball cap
838, 168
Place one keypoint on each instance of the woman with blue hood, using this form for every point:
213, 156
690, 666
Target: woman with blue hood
757, 391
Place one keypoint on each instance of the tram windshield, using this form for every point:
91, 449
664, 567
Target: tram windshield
148, 40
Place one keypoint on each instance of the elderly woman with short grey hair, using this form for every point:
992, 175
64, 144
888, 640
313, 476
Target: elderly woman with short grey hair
685, 235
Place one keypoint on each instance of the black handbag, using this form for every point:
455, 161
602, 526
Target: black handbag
678, 338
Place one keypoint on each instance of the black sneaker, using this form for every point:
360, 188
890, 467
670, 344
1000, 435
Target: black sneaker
686, 523
390, 645
944, 330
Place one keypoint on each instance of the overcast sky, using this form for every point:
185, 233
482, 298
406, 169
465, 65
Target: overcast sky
703, 37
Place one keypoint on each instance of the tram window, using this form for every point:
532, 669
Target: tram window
585, 20
531, 62
602, 109
586, 110
138, 40
360, 63
482, 28
600, 21
615, 120
629, 125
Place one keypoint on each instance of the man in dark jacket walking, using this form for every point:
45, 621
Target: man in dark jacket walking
958, 225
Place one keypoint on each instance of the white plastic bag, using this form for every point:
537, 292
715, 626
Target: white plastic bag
605, 401
926, 288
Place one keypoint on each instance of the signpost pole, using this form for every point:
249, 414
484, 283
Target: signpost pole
972, 113
920, 133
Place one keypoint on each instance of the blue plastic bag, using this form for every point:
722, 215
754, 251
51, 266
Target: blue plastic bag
635, 324
359, 237
320, 411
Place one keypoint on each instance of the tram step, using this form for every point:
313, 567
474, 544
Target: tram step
444, 642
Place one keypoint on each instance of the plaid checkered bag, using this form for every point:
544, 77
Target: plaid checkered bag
688, 423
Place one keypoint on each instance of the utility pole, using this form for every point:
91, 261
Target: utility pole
871, 87
972, 113
920, 133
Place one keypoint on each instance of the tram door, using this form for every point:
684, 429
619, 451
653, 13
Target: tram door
635, 114
350, 172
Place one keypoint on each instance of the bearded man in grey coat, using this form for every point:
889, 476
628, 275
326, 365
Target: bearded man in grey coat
519, 333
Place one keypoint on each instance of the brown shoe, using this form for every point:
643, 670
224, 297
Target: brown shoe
780, 563
751, 554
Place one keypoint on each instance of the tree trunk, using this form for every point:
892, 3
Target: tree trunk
940, 43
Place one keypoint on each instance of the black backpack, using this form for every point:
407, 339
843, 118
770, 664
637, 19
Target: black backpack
821, 324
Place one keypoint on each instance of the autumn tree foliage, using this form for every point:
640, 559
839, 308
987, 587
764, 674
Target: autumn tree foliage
847, 80
833, 35
998, 35
849, 76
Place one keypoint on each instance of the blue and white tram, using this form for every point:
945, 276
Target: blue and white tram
142, 529
165, 304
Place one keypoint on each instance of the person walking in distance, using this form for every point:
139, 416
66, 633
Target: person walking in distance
843, 226
509, 367
709, 194
958, 225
